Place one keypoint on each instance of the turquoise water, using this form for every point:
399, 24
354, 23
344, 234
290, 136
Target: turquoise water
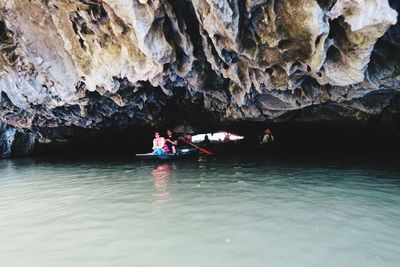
200, 213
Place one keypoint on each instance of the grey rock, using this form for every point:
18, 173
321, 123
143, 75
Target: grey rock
95, 64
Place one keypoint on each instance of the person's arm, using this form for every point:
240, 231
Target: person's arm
154, 144
162, 142
175, 142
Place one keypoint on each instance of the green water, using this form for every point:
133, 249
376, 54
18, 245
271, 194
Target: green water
199, 213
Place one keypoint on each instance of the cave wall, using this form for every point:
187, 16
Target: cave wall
106, 63
15, 142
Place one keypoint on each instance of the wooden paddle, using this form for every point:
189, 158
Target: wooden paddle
208, 153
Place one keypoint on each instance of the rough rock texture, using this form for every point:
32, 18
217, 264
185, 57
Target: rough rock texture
15, 142
99, 63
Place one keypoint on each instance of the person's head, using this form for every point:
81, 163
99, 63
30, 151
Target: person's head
169, 132
267, 131
156, 134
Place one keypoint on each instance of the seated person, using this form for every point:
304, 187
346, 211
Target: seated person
268, 137
158, 145
171, 142
184, 139
206, 142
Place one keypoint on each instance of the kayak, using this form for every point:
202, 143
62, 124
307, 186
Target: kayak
180, 154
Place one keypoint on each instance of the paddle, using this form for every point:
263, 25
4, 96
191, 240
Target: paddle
208, 153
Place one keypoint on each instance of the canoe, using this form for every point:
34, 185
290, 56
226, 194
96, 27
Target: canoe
180, 154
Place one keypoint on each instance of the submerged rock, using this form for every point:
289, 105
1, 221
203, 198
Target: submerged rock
101, 63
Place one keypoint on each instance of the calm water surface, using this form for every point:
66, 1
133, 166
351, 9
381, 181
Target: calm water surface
202, 213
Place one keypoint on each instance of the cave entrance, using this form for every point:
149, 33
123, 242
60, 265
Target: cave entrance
219, 137
294, 139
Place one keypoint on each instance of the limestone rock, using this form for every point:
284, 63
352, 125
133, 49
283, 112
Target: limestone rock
100, 63
15, 142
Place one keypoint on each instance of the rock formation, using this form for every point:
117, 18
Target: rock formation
100, 63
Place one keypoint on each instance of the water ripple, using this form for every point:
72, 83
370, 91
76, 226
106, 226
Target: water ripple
208, 213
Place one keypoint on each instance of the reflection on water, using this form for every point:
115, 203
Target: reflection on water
206, 213
161, 175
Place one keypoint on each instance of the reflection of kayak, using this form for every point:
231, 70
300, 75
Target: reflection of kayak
180, 154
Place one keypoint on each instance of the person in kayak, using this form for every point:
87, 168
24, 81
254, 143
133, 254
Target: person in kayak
206, 141
171, 142
158, 144
268, 137
186, 137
